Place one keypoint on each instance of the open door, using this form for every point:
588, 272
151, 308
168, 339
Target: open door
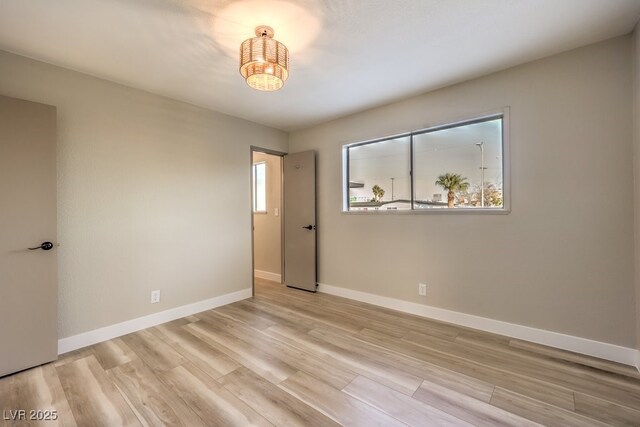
300, 220
28, 266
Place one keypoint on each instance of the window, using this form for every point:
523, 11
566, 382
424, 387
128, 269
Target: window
379, 175
259, 187
455, 167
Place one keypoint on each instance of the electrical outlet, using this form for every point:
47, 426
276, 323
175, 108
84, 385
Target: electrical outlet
155, 296
422, 289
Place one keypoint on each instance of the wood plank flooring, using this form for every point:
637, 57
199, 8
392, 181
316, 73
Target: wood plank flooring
292, 358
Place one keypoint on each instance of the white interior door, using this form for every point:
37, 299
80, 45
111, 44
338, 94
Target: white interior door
28, 278
300, 220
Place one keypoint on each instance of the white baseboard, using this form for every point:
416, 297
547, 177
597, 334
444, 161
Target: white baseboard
267, 275
113, 331
616, 353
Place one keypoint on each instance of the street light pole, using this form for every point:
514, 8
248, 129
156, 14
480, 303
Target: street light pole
392, 179
481, 145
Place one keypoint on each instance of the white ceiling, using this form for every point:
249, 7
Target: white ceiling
347, 55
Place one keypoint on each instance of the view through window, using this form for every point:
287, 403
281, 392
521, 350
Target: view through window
458, 166
259, 187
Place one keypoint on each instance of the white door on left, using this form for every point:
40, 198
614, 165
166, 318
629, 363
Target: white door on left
28, 278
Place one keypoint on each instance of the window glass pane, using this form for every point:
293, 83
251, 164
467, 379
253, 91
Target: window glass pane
459, 167
259, 187
379, 175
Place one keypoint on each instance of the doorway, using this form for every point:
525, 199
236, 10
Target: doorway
267, 215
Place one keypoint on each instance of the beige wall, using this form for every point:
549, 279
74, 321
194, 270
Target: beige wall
562, 260
152, 194
636, 166
267, 226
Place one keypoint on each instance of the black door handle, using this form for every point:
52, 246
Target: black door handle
309, 227
45, 246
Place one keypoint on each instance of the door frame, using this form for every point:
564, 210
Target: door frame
256, 149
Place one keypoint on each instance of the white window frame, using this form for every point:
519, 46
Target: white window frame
506, 170
254, 187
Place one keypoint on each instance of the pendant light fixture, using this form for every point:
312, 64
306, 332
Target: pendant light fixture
264, 62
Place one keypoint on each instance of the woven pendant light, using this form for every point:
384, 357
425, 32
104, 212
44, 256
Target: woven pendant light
264, 62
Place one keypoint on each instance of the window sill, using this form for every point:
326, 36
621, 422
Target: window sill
445, 211
260, 212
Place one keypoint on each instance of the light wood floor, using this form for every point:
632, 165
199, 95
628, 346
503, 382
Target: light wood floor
288, 357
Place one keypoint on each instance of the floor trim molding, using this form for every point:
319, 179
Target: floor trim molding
113, 331
616, 353
267, 275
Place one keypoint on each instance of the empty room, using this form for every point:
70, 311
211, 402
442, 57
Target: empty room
320, 213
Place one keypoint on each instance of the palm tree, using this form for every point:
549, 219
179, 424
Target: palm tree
378, 193
452, 182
